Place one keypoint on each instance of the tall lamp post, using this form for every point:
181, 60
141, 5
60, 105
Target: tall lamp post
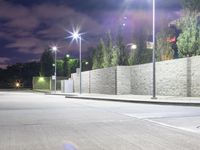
54, 49
75, 35
153, 55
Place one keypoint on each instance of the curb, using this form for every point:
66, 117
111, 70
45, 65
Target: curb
136, 101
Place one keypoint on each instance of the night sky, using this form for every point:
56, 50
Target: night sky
27, 27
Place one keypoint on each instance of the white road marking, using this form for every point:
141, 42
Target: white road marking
147, 117
171, 126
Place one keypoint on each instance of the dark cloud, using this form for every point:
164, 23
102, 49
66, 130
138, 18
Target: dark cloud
90, 5
27, 27
32, 29
4, 61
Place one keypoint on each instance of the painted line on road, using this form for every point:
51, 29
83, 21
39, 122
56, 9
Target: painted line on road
145, 115
146, 118
171, 126
161, 116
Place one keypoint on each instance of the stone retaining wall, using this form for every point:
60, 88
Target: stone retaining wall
180, 77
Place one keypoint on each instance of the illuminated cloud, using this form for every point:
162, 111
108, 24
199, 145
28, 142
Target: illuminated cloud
30, 30
27, 30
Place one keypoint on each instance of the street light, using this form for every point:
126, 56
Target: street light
54, 49
132, 46
153, 55
17, 84
67, 55
75, 35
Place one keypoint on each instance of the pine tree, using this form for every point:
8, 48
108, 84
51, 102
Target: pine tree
188, 41
98, 56
123, 53
107, 51
115, 56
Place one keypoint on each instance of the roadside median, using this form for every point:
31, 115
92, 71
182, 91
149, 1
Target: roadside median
145, 99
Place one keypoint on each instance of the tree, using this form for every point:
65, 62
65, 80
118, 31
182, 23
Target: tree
165, 49
98, 56
59, 68
189, 40
46, 62
191, 5
66, 68
19, 72
29, 70
131, 59
122, 52
73, 65
137, 56
107, 50
89, 58
115, 56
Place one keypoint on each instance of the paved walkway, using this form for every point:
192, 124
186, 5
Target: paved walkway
168, 100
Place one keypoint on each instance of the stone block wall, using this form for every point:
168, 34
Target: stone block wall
141, 79
180, 77
85, 82
171, 77
123, 80
102, 81
195, 76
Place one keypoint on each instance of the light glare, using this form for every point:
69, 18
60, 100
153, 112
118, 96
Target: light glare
41, 79
75, 34
54, 48
17, 84
133, 46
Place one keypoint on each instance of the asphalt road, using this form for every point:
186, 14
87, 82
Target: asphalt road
31, 121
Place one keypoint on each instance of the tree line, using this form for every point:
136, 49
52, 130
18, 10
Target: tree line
23, 73
113, 52
19, 73
64, 66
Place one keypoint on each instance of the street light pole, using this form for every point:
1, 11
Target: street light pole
54, 48
153, 55
75, 35
55, 69
80, 63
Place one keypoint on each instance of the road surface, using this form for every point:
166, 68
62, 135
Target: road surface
34, 121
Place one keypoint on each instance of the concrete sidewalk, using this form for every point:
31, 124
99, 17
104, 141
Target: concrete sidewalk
164, 100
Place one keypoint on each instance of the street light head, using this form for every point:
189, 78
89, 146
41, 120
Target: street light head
133, 46
54, 48
67, 55
76, 35
17, 84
